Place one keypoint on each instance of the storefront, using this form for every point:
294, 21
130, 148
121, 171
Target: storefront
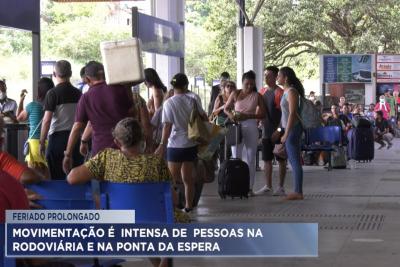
388, 74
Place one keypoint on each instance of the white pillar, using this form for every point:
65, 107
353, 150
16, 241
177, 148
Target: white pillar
171, 10
239, 56
250, 53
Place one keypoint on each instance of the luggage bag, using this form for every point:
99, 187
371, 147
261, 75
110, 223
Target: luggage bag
361, 144
233, 175
338, 158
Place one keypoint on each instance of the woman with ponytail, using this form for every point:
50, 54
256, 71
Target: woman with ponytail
291, 124
181, 151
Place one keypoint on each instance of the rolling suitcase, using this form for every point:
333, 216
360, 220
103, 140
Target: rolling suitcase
233, 175
361, 144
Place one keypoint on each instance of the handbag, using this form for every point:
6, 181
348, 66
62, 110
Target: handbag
197, 128
25, 151
280, 151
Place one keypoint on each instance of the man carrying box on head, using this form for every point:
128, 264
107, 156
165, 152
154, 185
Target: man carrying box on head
101, 108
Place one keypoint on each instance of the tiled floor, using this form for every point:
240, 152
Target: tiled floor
358, 211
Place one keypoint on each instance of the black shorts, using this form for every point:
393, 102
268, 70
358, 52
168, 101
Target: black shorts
181, 154
267, 150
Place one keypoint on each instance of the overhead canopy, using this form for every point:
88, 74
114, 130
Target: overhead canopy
20, 14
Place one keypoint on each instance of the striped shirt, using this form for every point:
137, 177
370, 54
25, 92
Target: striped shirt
35, 114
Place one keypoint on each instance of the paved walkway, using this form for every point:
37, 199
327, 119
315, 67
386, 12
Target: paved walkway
358, 211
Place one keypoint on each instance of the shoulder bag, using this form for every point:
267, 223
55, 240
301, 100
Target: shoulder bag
25, 151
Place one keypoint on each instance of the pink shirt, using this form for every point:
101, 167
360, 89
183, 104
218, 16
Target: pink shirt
248, 104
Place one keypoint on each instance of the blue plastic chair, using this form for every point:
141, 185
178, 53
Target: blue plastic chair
58, 195
323, 139
152, 202
4, 261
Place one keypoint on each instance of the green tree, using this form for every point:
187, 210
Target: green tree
295, 32
75, 30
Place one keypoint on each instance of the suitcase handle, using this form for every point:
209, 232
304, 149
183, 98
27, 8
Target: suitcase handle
238, 128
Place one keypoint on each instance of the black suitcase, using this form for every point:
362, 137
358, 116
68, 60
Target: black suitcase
361, 122
233, 175
361, 144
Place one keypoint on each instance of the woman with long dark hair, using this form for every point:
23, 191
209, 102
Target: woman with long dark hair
158, 89
292, 127
245, 103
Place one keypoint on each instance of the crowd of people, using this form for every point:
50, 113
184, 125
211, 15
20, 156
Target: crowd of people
382, 115
123, 138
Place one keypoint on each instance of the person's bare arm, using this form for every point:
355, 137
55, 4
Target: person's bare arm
166, 132
32, 197
45, 130
87, 133
218, 106
30, 177
72, 139
22, 116
86, 136
74, 136
229, 104
21, 104
158, 96
80, 175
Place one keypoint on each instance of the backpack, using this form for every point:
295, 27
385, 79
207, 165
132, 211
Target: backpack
309, 116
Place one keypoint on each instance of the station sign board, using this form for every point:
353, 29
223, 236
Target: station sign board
347, 68
388, 68
160, 36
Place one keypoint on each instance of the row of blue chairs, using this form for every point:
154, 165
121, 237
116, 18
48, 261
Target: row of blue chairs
152, 203
323, 139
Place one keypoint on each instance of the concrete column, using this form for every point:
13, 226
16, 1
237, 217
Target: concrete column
250, 53
171, 10
239, 56
36, 65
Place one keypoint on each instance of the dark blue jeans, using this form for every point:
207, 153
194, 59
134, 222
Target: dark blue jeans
55, 154
293, 150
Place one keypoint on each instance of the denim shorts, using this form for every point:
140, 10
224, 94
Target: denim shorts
181, 154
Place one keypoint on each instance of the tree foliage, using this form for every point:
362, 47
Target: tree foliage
334, 26
295, 32
75, 30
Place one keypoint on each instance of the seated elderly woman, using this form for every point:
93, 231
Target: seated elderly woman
126, 165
